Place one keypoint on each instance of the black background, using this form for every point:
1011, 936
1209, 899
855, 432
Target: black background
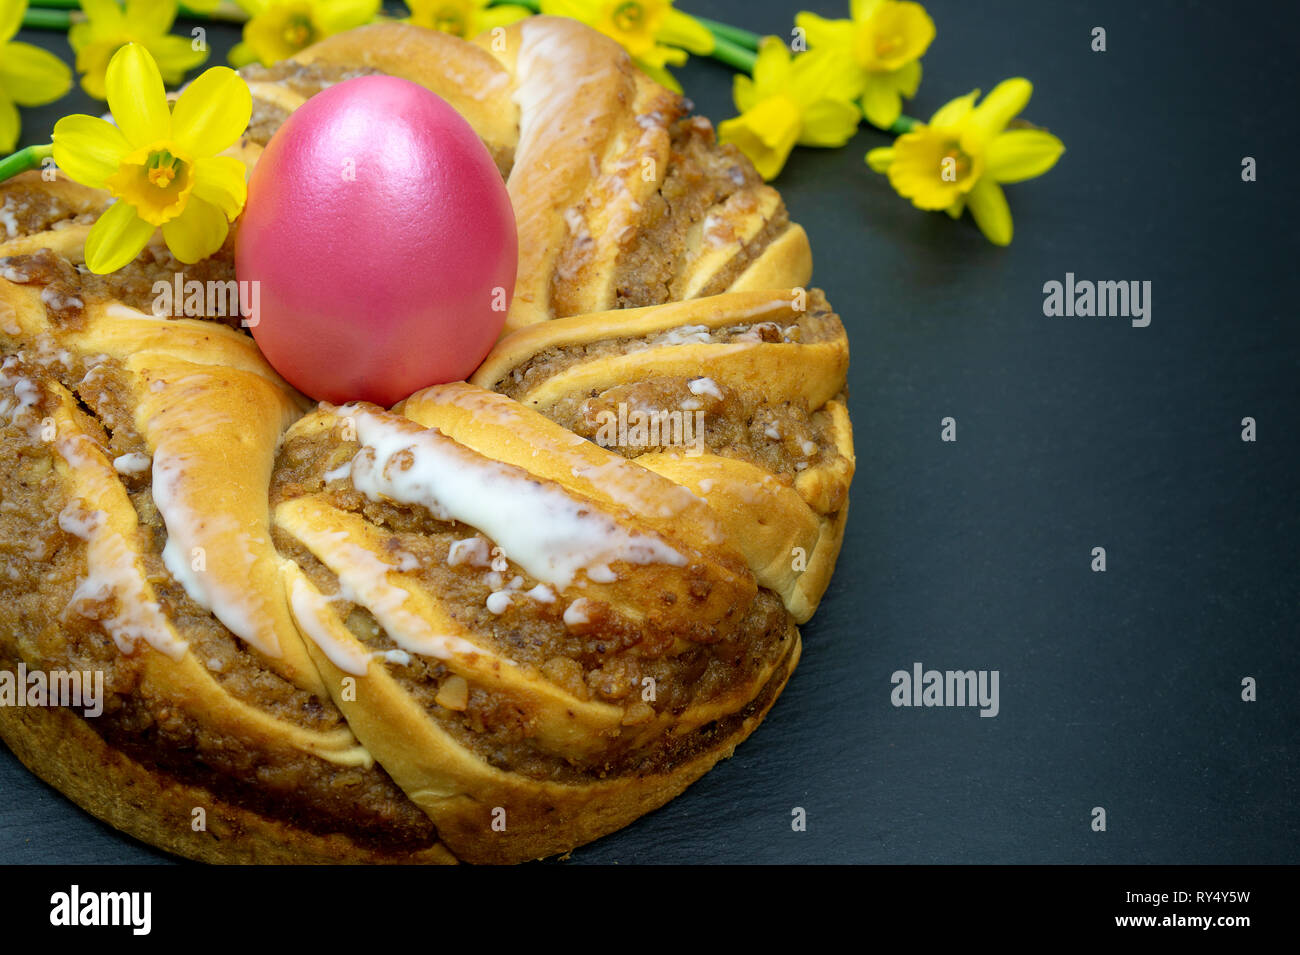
1118, 689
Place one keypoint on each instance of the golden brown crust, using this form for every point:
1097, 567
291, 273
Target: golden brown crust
59, 747
787, 522
291, 643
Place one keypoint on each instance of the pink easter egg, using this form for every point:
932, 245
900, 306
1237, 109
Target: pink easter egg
382, 241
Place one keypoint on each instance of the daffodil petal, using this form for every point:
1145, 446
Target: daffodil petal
988, 205
136, 96
881, 104
744, 93
88, 149
829, 123
661, 55
824, 74
821, 32
176, 56
11, 18
660, 75
1020, 154
116, 238
105, 13
861, 9
79, 36
33, 76
917, 169
242, 54
340, 15
212, 112
880, 158
907, 79
956, 209
575, 9
765, 134
682, 29
771, 67
221, 181
998, 108
911, 29
197, 232
150, 17
954, 111
10, 124
499, 16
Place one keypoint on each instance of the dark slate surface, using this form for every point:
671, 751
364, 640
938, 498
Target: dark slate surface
1120, 690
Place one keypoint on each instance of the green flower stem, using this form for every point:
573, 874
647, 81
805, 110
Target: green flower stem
734, 55
904, 124
228, 11
24, 159
736, 35
39, 19
533, 5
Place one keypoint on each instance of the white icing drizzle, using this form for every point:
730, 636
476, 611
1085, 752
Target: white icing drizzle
311, 609
498, 601
576, 612
472, 550
7, 217
542, 594
627, 485
239, 607
548, 533
685, 335
132, 463
704, 386
26, 393
363, 579
112, 571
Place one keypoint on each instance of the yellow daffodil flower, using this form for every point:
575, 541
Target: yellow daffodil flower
277, 29
805, 100
160, 163
653, 33
109, 26
959, 159
29, 76
885, 40
464, 18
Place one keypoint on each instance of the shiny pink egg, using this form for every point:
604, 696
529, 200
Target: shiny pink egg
382, 243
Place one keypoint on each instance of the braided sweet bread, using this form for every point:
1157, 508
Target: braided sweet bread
474, 626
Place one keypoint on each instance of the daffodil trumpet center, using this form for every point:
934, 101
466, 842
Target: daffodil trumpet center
162, 168
298, 31
955, 165
892, 36
876, 52
155, 180
629, 17
449, 19
885, 45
